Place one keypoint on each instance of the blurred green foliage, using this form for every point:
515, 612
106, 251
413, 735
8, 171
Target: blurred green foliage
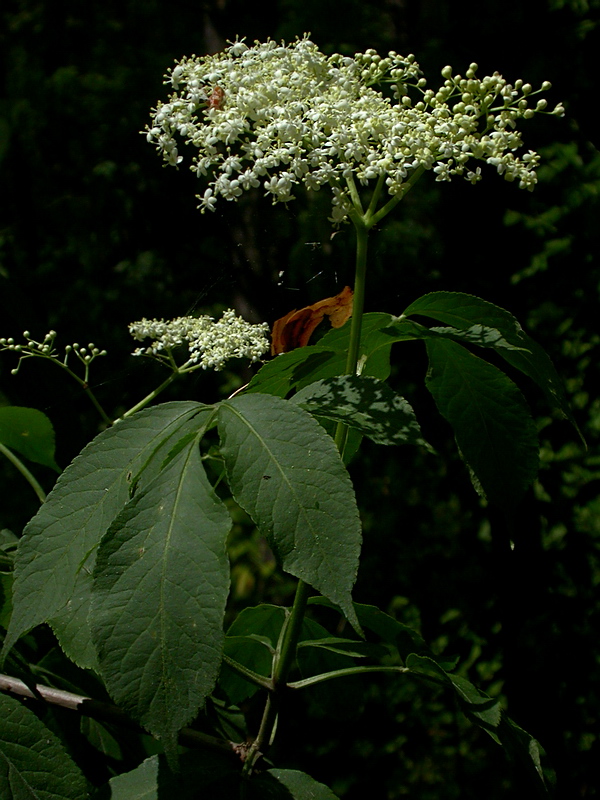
94, 234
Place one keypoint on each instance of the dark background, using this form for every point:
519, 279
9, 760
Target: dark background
95, 234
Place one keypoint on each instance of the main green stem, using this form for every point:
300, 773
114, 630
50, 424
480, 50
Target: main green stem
293, 625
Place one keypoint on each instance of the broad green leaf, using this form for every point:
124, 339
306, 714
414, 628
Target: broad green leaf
287, 784
286, 473
57, 553
463, 311
366, 404
374, 350
30, 433
160, 585
33, 763
280, 375
492, 424
327, 359
265, 621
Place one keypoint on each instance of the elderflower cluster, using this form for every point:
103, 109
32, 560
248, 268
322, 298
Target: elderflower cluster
281, 116
210, 343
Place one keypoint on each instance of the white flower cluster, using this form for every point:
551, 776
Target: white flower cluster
210, 343
280, 116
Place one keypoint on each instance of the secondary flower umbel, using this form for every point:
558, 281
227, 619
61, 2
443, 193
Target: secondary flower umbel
210, 343
282, 116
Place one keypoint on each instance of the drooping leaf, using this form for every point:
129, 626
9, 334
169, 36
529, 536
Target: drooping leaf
364, 403
30, 433
160, 585
492, 424
56, 555
33, 763
463, 311
286, 472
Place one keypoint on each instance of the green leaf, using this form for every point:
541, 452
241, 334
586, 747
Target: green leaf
284, 372
30, 433
475, 704
477, 334
327, 359
374, 350
204, 774
56, 555
395, 633
160, 585
492, 424
286, 473
364, 403
140, 783
288, 784
463, 311
33, 763
265, 621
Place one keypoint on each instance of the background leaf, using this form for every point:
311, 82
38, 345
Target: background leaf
57, 552
286, 472
160, 586
492, 424
33, 763
30, 433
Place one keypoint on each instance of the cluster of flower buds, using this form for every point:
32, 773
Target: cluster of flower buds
282, 116
46, 349
210, 343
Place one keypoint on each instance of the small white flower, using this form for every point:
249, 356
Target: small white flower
289, 115
209, 343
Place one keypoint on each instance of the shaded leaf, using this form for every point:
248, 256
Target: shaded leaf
464, 310
364, 403
160, 585
286, 472
33, 763
57, 552
30, 433
288, 784
265, 621
492, 423
404, 639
